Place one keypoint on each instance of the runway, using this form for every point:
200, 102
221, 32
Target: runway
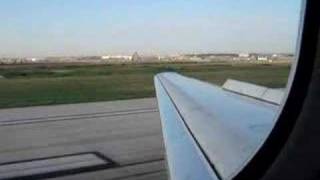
105, 140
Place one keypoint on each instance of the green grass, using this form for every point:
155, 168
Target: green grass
45, 85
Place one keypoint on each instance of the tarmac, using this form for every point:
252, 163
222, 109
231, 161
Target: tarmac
105, 140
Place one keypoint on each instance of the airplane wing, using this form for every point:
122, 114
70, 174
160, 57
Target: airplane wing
211, 132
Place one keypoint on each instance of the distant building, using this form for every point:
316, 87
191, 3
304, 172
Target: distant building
244, 55
136, 57
105, 57
223, 57
116, 57
32, 59
262, 58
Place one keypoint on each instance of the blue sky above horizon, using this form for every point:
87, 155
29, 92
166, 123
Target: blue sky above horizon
96, 27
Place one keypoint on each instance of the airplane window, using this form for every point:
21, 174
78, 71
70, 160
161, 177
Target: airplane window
104, 89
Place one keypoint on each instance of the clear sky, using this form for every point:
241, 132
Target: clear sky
96, 27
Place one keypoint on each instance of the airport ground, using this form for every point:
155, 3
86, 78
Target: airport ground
49, 84
116, 140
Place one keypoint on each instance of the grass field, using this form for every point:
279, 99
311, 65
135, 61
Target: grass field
60, 84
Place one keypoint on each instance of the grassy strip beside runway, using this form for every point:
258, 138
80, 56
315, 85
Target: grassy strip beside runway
63, 84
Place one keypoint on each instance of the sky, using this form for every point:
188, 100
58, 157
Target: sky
97, 27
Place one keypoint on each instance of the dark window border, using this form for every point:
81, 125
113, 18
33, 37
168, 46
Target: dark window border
290, 150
